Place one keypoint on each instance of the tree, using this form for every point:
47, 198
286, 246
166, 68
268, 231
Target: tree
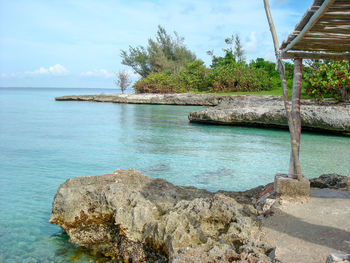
123, 80
238, 52
234, 53
138, 60
163, 54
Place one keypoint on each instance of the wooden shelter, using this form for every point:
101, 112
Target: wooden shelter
322, 33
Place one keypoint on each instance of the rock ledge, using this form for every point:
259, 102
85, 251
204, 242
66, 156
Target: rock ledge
162, 99
268, 111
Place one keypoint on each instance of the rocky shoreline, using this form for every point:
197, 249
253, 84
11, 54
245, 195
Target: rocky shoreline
268, 111
185, 99
132, 218
243, 110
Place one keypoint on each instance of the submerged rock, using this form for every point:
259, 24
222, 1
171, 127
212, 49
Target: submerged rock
128, 216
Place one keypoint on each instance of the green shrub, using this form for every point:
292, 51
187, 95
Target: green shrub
233, 78
155, 83
328, 79
270, 69
193, 77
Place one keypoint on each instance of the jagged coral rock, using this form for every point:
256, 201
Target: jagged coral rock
126, 215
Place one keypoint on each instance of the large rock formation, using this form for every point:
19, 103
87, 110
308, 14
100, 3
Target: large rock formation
268, 111
128, 216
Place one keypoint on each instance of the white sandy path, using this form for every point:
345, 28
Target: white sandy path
310, 232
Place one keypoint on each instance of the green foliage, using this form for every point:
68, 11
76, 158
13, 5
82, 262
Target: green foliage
270, 69
268, 66
237, 77
239, 52
289, 69
227, 74
156, 83
138, 60
167, 66
233, 54
228, 59
328, 79
163, 54
194, 77
230, 72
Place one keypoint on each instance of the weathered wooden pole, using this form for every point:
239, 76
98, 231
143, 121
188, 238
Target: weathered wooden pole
297, 83
297, 174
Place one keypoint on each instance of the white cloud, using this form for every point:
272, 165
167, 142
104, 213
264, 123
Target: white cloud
252, 44
41, 70
9, 75
98, 73
57, 70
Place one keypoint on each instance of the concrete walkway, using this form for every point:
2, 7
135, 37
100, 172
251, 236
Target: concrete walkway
310, 232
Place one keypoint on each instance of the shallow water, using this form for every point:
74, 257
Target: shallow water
44, 142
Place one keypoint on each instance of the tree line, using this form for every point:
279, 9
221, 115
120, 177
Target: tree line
166, 65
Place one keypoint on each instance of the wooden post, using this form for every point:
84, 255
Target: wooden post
293, 137
297, 83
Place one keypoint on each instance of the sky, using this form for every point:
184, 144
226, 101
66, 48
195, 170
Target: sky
77, 43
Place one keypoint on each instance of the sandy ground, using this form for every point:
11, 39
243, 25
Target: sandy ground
310, 232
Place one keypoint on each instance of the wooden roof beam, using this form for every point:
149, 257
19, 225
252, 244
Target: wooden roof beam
313, 55
313, 20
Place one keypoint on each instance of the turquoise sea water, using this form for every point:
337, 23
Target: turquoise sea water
44, 142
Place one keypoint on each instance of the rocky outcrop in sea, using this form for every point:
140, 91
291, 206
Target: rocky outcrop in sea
268, 111
131, 217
